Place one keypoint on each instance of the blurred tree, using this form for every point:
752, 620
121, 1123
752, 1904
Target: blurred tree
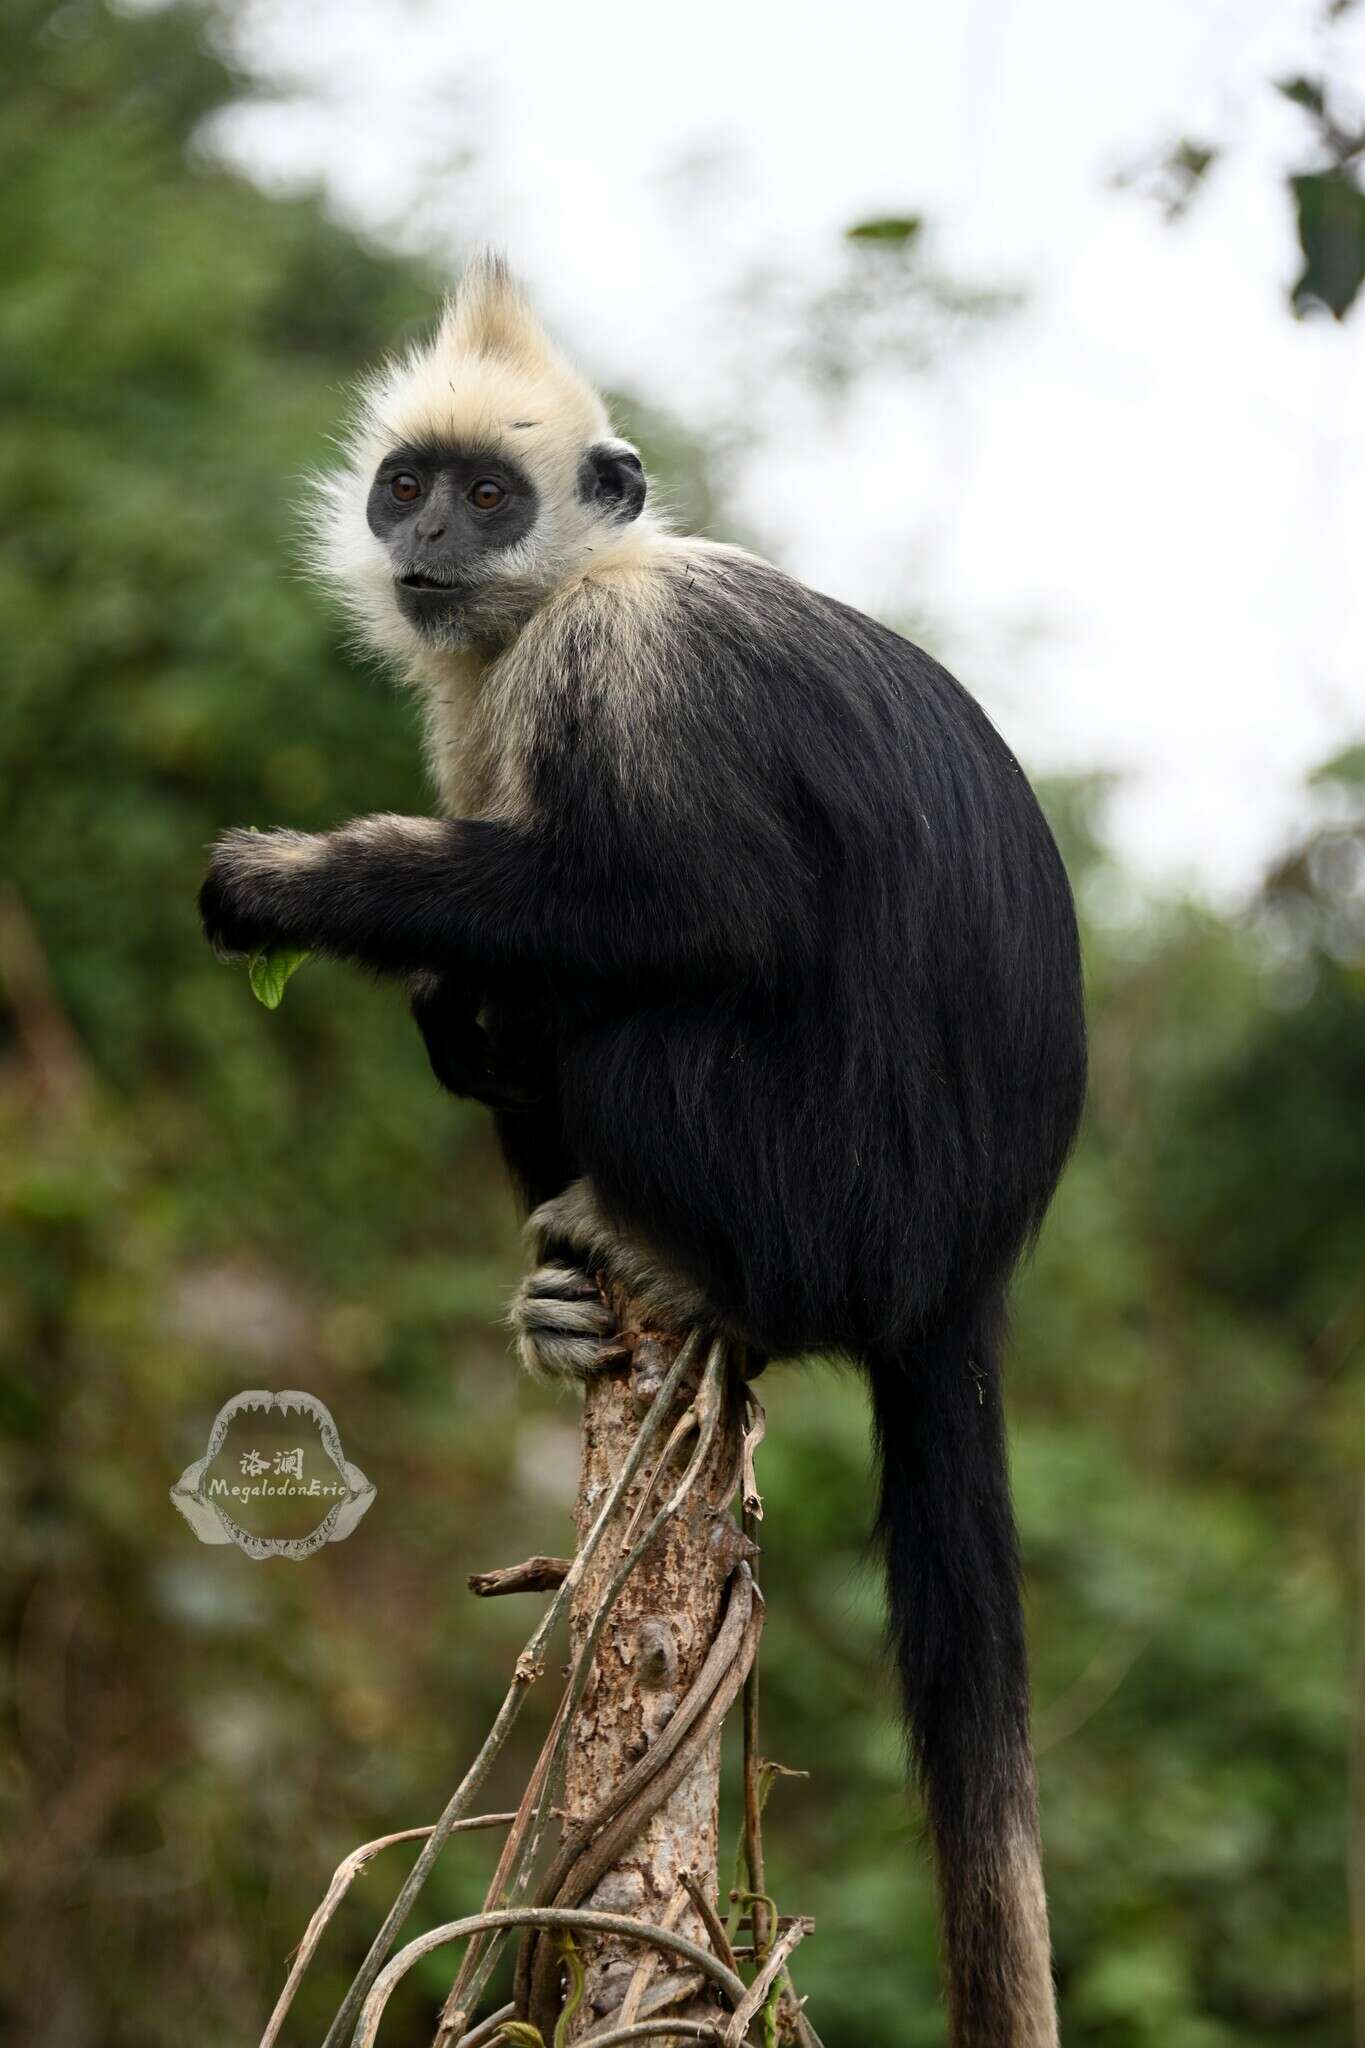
1325, 188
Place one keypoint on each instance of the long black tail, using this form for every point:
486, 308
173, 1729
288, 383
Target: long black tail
957, 1627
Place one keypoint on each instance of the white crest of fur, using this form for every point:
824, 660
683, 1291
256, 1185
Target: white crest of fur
490, 380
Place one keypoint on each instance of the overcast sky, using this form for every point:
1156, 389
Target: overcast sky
1133, 509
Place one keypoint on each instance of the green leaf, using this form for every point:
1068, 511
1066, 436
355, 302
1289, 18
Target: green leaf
1190, 161
270, 970
892, 227
1304, 93
1332, 236
1346, 769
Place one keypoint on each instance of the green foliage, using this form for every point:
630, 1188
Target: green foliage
1173, 176
269, 970
573, 1997
901, 227
1331, 217
1347, 768
1329, 204
196, 1198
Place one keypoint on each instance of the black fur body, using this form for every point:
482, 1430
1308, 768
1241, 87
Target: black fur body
808, 1016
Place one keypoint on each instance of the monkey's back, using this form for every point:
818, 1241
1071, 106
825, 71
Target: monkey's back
845, 1100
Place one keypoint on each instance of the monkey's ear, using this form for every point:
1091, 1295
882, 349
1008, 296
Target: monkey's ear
612, 475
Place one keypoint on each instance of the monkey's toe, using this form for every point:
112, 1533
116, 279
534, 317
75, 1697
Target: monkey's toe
573, 1226
563, 1327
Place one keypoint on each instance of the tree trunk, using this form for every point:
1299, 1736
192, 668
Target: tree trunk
650, 1651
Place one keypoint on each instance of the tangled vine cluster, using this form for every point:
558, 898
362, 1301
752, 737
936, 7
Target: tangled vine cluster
548, 1978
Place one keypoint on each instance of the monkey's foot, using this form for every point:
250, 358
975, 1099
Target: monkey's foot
563, 1327
574, 1227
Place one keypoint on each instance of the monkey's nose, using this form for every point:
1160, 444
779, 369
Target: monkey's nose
432, 531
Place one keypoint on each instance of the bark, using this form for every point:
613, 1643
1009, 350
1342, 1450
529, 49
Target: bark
651, 1650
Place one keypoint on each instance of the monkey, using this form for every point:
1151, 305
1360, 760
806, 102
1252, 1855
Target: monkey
747, 924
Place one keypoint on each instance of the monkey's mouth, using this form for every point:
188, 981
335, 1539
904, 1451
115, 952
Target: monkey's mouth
431, 606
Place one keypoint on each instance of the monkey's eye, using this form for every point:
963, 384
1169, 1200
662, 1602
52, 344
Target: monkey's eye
485, 495
405, 487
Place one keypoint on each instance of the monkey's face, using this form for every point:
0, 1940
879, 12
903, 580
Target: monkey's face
481, 474
476, 537
454, 523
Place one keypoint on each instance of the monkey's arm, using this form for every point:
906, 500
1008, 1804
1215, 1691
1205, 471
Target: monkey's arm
463, 1057
411, 895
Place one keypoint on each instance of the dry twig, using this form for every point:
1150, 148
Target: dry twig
756, 1996
537, 1575
343, 1877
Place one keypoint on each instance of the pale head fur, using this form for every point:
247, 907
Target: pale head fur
488, 379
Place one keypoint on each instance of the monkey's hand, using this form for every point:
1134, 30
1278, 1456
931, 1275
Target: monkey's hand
463, 1056
372, 891
304, 889
251, 895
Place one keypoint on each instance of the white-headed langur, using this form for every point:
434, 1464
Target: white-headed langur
746, 923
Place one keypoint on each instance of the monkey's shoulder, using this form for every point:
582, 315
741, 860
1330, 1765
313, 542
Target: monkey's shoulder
684, 608
725, 606
703, 646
